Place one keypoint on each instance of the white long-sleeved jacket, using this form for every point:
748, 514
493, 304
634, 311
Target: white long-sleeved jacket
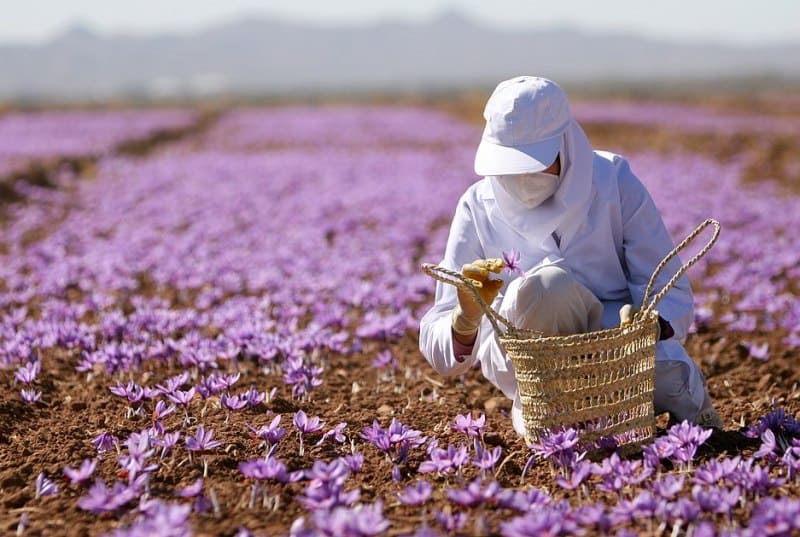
613, 253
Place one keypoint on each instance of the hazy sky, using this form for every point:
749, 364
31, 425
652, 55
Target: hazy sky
742, 21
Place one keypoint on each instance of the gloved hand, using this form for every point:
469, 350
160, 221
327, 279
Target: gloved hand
626, 313
467, 314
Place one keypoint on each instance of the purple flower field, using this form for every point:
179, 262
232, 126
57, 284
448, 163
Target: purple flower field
220, 338
27, 137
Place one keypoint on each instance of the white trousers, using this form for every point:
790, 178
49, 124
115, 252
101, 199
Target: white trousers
550, 300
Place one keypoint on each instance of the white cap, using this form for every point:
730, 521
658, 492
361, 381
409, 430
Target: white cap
525, 118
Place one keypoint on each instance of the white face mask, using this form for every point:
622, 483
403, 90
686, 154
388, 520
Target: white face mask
530, 189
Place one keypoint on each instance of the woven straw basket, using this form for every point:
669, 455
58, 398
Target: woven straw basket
600, 383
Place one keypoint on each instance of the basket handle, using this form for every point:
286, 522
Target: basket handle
646, 308
457, 279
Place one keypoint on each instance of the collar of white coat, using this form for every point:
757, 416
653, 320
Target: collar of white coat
568, 207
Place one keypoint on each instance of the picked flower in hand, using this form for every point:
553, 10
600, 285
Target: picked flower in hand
511, 259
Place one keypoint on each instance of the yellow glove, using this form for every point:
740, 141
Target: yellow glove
467, 314
626, 313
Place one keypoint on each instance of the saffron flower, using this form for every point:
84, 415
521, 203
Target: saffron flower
99, 499
167, 441
486, 459
337, 433
470, 426
326, 487
202, 440
511, 259
233, 402
451, 522
475, 494
306, 425
354, 461
45, 487
30, 396
131, 391
81, 474
359, 521
253, 397
270, 468
385, 359
162, 410
686, 438
416, 494
192, 490
182, 398
271, 433
27, 373
105, 442
759, 352
444, 460
173, 383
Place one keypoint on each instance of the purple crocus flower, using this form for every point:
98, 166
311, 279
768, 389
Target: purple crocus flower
756, 479
557, 446
192, 490
686, 437
253, 397
306, 425
167, 441
337, 433
81, 474
159, 518
30, 396
270, 468
776, 516
233, 402
668, 486
182, 398
174, 383
99, 499
577, 476
326, 488
486, 459
384, 359
44, 486
336, 470
162, 410
511, 259
272, 433
202, 440
27, 373
451, 522
105, 442
769, 446
354, 461
444, 460
547, 521
523, 500
593, 515
683, 509
397, 475
716, 500
359, 521
475, 494
131, 391
210, 385
758, 351
470, 426
416, 494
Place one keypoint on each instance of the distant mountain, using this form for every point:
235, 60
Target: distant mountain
269, 56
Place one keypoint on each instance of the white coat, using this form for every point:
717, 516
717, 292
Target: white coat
612, 250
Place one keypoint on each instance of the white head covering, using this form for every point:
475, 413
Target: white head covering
538, 107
